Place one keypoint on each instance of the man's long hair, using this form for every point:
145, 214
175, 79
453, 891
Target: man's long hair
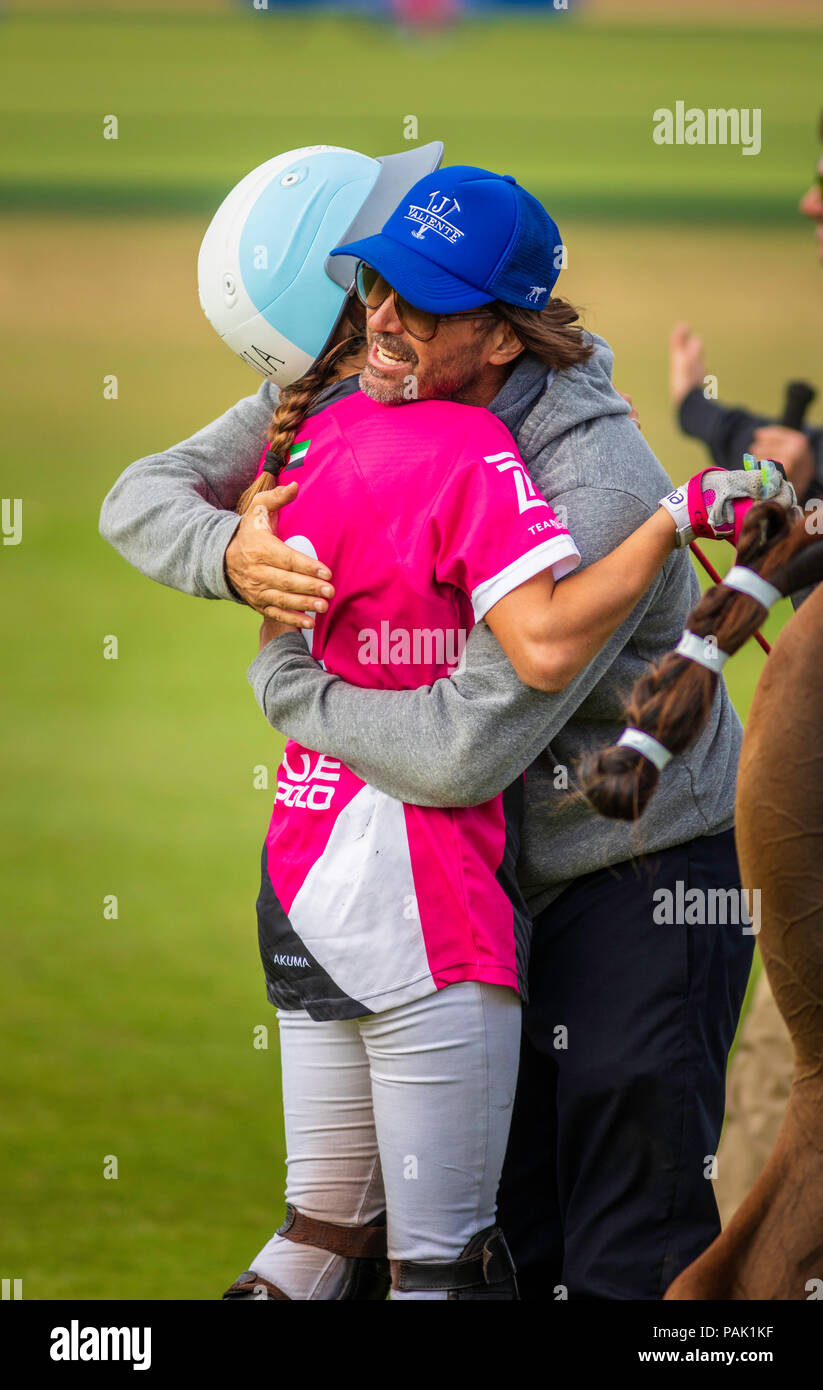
549, 333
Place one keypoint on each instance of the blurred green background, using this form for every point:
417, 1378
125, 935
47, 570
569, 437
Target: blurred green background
134, 777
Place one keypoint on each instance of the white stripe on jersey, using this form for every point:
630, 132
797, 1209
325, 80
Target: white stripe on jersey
558, 553
356, 910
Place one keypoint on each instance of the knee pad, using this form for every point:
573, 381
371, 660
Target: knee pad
362, 1247
484, 1269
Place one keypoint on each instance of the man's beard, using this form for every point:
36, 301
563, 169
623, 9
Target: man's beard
448, 383
384, 390
389, 390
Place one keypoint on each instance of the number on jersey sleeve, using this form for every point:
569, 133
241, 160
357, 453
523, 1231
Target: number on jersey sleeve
492, 528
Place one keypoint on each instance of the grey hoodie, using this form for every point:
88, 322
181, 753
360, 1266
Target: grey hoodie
462, 740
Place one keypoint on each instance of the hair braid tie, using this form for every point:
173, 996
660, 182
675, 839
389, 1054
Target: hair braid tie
643, 743
696, 648
748, 581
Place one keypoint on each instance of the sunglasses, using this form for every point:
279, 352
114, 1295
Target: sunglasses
372, 289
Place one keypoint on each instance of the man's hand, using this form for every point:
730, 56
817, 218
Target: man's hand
633, 415
789, 447
273, 579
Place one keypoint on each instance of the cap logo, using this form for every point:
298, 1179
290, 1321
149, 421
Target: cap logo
535, 293
433, 217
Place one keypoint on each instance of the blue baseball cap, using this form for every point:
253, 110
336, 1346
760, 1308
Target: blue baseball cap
462, 237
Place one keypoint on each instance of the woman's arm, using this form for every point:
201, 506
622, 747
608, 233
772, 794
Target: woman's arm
463, 739
551, 631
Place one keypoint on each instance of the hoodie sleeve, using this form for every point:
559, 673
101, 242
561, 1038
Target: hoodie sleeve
464, 739
171, 514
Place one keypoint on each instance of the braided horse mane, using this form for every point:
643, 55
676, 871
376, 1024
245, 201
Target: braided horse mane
773, 1246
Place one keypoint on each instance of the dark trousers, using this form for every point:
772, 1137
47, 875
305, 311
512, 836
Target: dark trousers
606, 1189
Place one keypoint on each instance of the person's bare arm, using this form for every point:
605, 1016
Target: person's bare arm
550, 632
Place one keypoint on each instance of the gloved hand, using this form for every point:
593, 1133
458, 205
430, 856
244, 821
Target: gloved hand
715, 502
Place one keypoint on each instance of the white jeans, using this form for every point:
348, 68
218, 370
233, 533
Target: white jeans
406, 1110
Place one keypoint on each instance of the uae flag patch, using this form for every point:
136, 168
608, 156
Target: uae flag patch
296, 455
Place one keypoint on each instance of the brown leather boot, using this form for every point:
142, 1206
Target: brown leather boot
363, 1247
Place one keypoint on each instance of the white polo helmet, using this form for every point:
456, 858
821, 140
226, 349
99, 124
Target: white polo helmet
267, 282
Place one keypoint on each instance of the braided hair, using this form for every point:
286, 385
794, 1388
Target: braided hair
671, 702
297, 400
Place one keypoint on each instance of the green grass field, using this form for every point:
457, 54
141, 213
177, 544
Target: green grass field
133, 1037
566, 106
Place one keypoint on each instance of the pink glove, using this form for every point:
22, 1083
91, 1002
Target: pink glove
702, 497
715, 502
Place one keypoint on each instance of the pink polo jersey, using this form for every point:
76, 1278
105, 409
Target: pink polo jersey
426, 516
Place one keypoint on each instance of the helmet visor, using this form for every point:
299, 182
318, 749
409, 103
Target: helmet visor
398, 173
